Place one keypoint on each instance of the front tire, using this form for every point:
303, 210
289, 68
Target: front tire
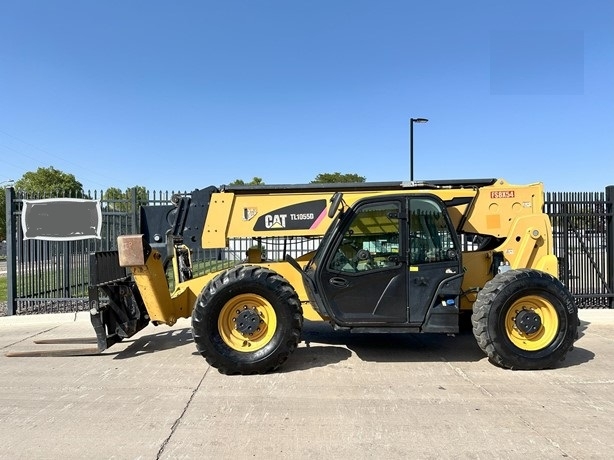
247, 320
525, 319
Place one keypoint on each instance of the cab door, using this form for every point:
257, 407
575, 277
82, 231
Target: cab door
394, 261
435, 267
363, 279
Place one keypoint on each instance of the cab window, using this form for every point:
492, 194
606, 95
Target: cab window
430, 238
371, 241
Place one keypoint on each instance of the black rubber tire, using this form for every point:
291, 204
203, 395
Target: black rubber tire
240, 280
493, 304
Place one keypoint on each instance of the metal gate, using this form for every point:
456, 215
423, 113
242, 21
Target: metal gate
584, 243
53, 276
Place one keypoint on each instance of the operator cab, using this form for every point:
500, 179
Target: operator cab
388, 264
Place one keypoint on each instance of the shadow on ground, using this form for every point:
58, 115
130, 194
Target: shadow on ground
386, 347
325, 346
157, 342
322, 346
578, 355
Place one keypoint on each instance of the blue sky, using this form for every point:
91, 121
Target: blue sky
182, 95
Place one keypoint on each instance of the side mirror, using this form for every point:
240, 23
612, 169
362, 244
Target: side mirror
335, 201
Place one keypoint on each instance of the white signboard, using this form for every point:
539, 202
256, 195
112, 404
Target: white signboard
61, 219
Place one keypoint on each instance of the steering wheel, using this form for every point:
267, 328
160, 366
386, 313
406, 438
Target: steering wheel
363, 255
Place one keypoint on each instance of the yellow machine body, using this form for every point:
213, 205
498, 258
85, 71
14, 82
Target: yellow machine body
513, 214
411, 257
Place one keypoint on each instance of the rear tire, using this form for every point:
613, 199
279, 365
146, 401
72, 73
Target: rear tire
247, 320
525, 319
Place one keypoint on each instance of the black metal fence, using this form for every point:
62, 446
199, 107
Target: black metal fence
584, 243
53, 276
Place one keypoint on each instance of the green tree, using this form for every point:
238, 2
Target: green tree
116, 200
142, 197
337, 177
254, 181
49, 181
113, 199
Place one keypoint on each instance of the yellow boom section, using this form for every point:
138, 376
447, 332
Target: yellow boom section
494, 210
288, 213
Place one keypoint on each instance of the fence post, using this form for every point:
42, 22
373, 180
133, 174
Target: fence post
135, 212
11, 252
609, 244
66, 256
564, 219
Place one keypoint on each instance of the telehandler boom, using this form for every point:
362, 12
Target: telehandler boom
382, 257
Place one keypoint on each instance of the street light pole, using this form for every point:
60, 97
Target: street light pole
411, 144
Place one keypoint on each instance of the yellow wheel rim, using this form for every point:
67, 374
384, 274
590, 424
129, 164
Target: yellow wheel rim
247, 322
531, 323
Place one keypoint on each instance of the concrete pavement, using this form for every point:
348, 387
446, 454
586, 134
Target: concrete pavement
339, 396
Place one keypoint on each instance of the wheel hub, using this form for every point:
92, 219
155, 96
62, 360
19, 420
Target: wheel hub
528, 322
247, 321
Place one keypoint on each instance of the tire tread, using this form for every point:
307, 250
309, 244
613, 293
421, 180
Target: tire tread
481, 316
266, 279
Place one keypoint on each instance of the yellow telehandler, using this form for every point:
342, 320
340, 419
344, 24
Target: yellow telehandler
385, 257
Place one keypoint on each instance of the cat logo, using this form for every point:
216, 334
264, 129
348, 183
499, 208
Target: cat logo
298, 216
275, 220
249, 213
